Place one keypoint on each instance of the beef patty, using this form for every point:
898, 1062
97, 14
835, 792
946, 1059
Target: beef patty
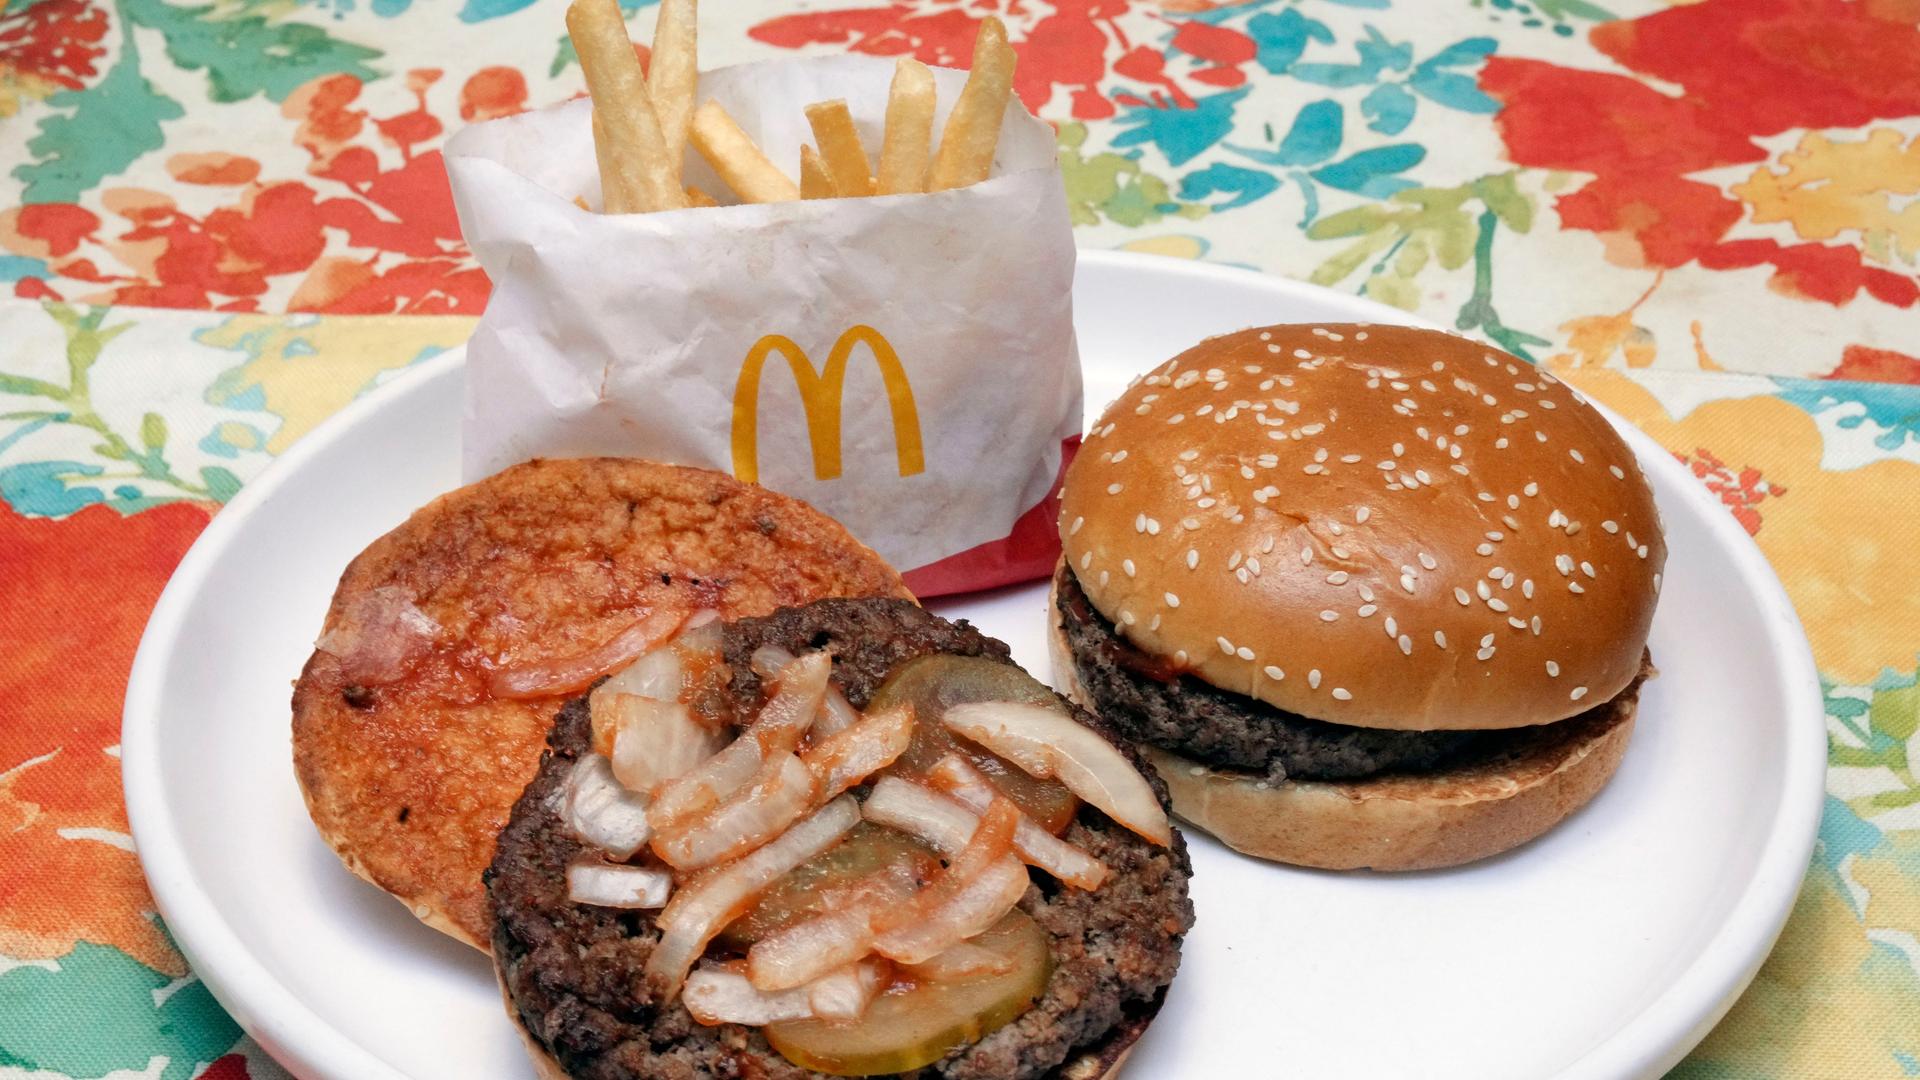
1146, 699
573, 972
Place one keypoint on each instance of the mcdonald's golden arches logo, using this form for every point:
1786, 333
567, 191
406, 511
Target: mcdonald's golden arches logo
821, 394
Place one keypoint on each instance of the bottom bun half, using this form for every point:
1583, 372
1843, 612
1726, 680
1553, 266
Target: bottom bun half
1395, 822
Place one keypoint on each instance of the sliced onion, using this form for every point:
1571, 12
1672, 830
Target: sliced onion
718, 996
571, 674
957, 777
852, 754
603, 812
959, 914
782, 721
964, 960
779, 795
1050, 745
615, 886
657, 674
846, 993
926, 815
380, 634
810, 949
836, 714
711, 900
651, 742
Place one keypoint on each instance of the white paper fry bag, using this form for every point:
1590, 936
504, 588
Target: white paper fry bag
906, 364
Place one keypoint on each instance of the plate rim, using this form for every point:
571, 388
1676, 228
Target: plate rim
1654, 1039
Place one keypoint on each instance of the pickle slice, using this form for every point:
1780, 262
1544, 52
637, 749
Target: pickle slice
822, 882
932, 684
916, 1024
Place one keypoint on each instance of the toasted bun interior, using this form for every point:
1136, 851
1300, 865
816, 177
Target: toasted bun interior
1419, 822
1371, 525
410, 779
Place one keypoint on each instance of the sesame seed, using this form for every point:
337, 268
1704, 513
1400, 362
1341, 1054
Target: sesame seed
1243, 575
1429, 561
1274, 673
1306, 555
1361, 515
1586, 568
1496, 573
1243, 653
1329, 615
1104, 576
1576, 455
1440, 638
1618, 474
1313, 678
1139, 523
1366, 594
1461, 595
1126, 616
1367, 610
1480, 587
1485, 549
1563, 563
1189, 523
1155, 624
1115, 489
1193, 559
1338, 577
1172, 600
1553, 670
1610, 525
1119, 457
1253, 565
1516, 622
1340, 694
1631, 542
1574, 587
1206, 502
1513, 502
1350, 458
1406, 645
1526, 588
1578, 693
1086, 559
1392, 627
1506, 580
1485, 654
1406, 582
1656, 583
1497, 604
1225, 645
1153, 527
1484, 496
1077, 522
1387, 466
1500, 443
1531, 490
1534, 625
1127, 565
1641, 551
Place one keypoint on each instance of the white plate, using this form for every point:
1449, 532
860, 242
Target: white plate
1606, 949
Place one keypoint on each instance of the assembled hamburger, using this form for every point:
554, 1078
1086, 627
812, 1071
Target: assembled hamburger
1368, 596
848, 838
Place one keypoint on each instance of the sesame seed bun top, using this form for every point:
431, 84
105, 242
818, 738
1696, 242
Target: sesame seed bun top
1372, 525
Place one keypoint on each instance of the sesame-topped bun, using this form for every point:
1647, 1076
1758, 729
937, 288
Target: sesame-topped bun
1373, 526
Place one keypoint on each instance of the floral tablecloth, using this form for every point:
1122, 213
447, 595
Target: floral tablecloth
221, 220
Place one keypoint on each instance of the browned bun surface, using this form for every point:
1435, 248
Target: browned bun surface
1374, 526
411, 776
1480, 807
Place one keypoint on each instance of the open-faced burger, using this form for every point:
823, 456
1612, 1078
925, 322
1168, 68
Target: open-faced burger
849, 838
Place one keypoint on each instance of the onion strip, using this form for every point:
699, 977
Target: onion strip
572, 674
710, 900
957, 777
1050, 745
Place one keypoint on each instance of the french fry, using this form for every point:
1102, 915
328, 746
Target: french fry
733, 155
633, 155
909, 133
846, 160
814, 181
973, 128
674, 73
697, 197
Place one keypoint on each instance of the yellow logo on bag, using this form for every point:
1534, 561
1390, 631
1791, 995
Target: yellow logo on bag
820, 395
